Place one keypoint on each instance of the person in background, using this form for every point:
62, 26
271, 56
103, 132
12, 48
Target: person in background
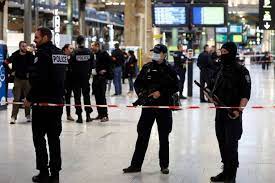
21, 61
130, 67
101, 73
205, 63
118, 60
180, 68
82, 64
68, 50
266, 60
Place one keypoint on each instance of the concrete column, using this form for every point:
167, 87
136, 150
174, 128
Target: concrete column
27, 20
148, 28
174, 36
70, 17
81, 6
2, 5
130, 23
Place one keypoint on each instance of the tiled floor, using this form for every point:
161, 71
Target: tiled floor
96, 152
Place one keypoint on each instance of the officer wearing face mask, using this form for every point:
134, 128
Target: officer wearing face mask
161, 79
233, 87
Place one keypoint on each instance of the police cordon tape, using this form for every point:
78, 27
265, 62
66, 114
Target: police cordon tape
131, 106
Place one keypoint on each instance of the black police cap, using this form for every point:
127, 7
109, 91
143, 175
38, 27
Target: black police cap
159, 48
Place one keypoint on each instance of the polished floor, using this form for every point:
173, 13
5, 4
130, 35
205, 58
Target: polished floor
97, 152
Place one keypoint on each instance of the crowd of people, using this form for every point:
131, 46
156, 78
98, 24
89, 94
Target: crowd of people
84, 65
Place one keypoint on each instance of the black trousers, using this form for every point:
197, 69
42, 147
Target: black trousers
144, 127
47, 121
181, 73
85, 90
228, 132
205, 78
68, 95
99, 86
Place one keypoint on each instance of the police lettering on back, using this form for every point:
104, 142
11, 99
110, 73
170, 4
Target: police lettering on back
60, 59
83, 58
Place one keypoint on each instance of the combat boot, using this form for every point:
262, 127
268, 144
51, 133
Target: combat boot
42, 177
218, 178
79, 119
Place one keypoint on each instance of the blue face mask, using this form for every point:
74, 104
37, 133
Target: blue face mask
156, 57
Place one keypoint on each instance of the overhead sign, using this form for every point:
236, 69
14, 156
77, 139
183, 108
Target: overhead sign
267, 14
56, 25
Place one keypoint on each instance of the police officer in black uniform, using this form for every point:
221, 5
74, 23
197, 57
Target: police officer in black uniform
233, 87
81, 72
160, 79
206, 65
180, 68
47, 86
101, 73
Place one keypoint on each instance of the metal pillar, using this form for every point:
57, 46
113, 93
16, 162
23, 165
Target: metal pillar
81, 5
2, 4
174, 36
36, 14
70, 17
27, 20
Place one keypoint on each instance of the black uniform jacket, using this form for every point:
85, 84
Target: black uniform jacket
159, 77
47, 75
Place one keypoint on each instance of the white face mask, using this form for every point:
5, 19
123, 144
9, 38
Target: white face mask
156, 57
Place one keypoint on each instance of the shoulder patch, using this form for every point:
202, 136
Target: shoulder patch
247, 78
82, 58
35, 60
60, 59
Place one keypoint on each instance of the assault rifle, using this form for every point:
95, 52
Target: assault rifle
143, 98
213, 98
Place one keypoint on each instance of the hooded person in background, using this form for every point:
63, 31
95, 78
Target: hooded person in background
233, 87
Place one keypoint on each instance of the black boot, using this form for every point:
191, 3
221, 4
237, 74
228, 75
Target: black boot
54, 178
231, 175
164, 170
131, 169
218, 178
88, 118
79, 120
42, 177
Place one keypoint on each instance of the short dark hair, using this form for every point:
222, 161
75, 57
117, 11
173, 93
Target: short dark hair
21, 42
66, 46
205, 46
116, 45
80, 40
131, 52
44, 31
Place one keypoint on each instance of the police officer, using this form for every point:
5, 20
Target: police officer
101, 73
161, 79
206, 66
47, 86
81, 72
180, 68
67, 50
232, 87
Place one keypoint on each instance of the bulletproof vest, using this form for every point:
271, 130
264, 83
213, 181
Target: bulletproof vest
82, 55
227, 86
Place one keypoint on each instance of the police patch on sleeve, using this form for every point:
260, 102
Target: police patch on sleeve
247, 78
83, 58
60, 59
35, 60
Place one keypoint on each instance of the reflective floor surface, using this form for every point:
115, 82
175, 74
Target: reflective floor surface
97, 152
